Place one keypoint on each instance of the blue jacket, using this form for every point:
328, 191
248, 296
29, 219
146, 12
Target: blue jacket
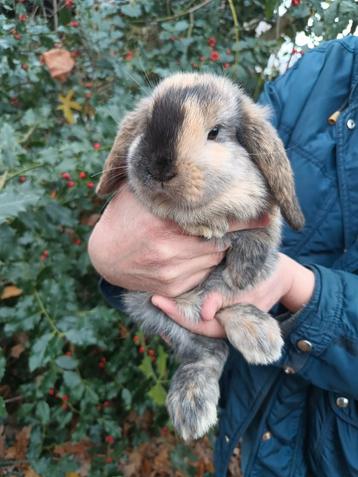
299, 417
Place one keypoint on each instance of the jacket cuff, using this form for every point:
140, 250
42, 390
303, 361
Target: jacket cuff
311, 330
112, 294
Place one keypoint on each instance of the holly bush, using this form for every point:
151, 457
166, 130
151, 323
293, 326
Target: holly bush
82, 390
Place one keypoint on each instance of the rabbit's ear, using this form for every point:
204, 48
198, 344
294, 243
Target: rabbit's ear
266, 150
115, 167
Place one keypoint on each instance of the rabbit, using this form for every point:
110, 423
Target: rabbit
200, 152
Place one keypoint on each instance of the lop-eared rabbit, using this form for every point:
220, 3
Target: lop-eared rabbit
200, 152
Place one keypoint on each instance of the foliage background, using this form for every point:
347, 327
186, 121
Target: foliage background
82, 392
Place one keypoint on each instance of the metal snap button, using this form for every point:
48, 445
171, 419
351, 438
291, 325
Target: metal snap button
304, 345
266, 436
227, 439
288, 370
351, 124
342, 401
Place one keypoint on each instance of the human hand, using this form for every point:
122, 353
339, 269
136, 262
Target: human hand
290, 283
135, 250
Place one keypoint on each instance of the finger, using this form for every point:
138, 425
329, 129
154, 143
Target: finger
211, 304
191, 247
212, 329
258, 223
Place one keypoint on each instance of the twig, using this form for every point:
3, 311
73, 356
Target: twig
236, 29
47, 316
55, 17
13, 399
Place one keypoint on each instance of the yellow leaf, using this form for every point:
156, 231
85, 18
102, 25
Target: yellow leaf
29, 472
67, 104
72, 474
10, 291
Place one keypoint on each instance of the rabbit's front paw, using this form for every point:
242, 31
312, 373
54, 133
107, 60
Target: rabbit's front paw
253, 332
192, 400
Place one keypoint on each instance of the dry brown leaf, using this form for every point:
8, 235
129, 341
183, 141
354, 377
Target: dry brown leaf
19, 449
17, 350
29, 472
79, 449
2, 440
11, 291
90, 220
59, 62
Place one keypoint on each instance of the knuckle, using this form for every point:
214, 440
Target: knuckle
166, 275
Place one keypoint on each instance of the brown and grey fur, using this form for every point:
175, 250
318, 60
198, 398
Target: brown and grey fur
163, 151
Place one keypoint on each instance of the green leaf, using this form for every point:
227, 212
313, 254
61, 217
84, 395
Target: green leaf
162, 362
12, 203
2, 364
72, 379
158, 394
127, 398
43, 412
38, 351
180, 26
134, 10
66, 362
147, 368
3, 412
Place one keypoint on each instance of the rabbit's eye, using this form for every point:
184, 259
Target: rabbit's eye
213, 133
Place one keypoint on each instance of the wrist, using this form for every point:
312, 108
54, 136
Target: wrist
301, 283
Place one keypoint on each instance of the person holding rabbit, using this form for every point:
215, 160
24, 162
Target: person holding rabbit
298, 415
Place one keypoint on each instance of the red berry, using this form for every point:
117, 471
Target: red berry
51, 392
45, 253
228, 51
226, 66
70, 184
22, 179
214, 55
68, 353
90, 185
109, 460
65, 398
151, 352
128, 56
77, 242
136, 339
68, 3
74, 24
164, 431
82, 175
141, 349
25, 66
89, 85
75, 53
295, 3
109, 439
101, 365
212, 42
22, 18
17, 36
96, 146
66, 176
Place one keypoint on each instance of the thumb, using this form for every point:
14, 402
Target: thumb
211, 304
168, 306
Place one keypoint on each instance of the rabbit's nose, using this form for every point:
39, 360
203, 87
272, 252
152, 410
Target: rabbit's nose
162, 171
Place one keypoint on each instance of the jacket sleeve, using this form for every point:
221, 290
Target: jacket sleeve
322, 344
112, 294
